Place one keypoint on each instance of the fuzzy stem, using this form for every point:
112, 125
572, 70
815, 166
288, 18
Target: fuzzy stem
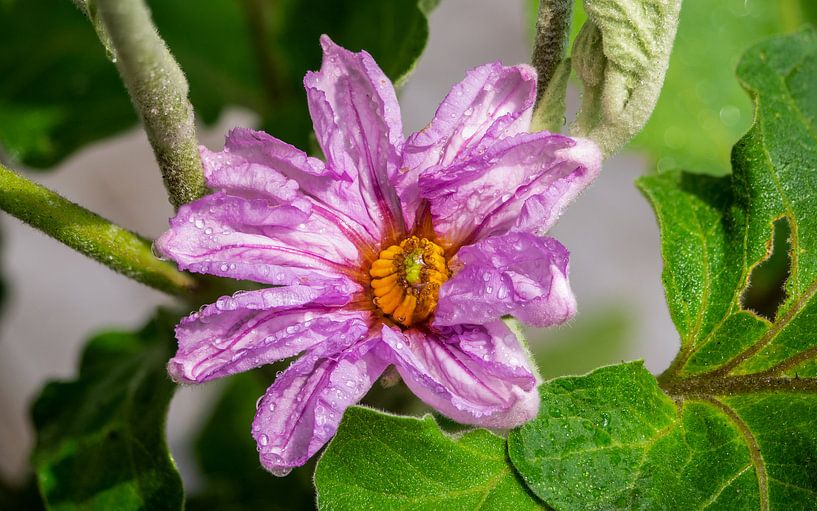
158, 89
552, 35
88, 233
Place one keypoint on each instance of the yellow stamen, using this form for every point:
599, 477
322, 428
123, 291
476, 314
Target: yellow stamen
407, 278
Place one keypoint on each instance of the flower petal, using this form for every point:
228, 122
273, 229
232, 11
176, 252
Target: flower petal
254, 164
258, 239
301, 411
447, 370
254, 328
491, 103
518, 274
486, 194
357, 122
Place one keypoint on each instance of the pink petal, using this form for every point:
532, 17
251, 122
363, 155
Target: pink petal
357, 122
475, 375
255, 164
491, 103
259, 239
254, 328
517, 274
301, 411
486, 194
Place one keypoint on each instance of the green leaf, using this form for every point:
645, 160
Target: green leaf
379, 461
702, 111
614, 440
100, 438
228, 459
59, 91
732, 424
62, 92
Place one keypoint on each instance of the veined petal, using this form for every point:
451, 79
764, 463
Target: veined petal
357, 122
519, 274
459, 382
486, 194
491, 103
258, 239
254, 328
254, 164
301, 410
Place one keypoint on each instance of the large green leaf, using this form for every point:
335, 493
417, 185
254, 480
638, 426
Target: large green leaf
702, 111
732, 424
61, 92
100, 438
379, 461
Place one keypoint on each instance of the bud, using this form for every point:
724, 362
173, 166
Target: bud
621, 56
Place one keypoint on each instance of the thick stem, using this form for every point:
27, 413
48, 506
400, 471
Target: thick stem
552, 34
158, 89
90, 234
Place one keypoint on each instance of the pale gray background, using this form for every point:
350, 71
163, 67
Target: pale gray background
58, 298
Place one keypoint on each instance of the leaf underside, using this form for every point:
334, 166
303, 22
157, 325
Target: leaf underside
731, 425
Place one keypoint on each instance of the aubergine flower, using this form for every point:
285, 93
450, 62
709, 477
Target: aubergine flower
394, 252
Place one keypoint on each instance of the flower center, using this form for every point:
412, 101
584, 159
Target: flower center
406, 279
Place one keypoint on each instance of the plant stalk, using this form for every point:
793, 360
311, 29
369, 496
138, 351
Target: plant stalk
88, 233
158, 89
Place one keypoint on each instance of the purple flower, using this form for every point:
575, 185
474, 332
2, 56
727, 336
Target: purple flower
403, 252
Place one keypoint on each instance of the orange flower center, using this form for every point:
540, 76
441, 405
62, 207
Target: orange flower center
406, 280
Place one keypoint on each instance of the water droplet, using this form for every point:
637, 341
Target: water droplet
258, 402
280, 472
399, 345
199, 224
468, 112
350, 384
208, 231
271, 407
156, 253
263, 439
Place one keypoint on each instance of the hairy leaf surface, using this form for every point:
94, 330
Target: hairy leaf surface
732, 424
379, 461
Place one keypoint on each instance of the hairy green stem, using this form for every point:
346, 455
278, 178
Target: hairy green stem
552, 35
90, 234
158, 89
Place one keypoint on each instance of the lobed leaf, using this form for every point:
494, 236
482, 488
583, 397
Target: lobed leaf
100, 438
379, 461
731, 425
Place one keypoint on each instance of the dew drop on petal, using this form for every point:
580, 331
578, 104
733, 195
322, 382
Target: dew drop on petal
258, 402
271, 407
199, 224
280, 472
263, 439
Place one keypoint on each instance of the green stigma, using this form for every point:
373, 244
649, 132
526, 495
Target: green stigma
413, 265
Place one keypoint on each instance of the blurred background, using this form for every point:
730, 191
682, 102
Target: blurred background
56, 298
